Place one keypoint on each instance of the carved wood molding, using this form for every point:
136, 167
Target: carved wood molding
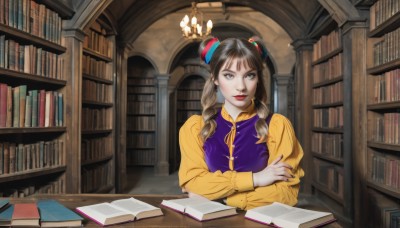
341, 11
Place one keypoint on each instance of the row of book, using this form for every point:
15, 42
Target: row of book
47, 186
381, 11
384, 169
51, 213
96, 119
328, 70
32, 18
326, 44
20, 157
141, 89
189, 94
182, 116
386, 87
96, 68
141, 97
30, 59
327, 144
330, 176
328, 117
387, 49
142, 140
189, 105
96, 40
33, 108
141, 81
96, 177
140, 156
383, 211
141, 107
144, 123
387, 128
95, 91
328, 94
96, 148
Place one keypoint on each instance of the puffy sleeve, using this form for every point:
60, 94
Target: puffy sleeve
281, 140
194, 175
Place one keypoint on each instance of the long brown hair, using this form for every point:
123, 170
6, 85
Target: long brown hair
249, 54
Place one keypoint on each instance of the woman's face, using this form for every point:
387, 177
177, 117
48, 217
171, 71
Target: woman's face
238, 84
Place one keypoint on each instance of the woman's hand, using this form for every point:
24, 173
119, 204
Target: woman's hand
276, 171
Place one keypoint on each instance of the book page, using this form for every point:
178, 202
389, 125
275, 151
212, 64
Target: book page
302, 215
133, 205
273, 210
209, 207
188, 201
105, 210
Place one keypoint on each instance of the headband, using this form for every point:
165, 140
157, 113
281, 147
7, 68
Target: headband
261, 49
208, 51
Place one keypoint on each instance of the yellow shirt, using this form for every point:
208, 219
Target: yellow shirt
237, 187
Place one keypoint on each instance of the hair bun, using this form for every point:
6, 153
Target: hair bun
260, 46
207, 49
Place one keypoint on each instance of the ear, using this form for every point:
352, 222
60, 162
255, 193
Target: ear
214, 80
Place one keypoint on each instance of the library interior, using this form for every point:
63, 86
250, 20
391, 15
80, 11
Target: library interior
93, 95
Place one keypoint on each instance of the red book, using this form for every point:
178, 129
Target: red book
3, 104
25, 214
42, 106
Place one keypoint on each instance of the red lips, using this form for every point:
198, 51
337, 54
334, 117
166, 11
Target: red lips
240, 97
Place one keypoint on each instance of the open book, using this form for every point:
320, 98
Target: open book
200, 209
119, 211
282, 215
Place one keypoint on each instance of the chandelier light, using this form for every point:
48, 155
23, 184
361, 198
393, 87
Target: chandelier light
192, 25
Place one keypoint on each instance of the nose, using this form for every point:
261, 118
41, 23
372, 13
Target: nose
240, 85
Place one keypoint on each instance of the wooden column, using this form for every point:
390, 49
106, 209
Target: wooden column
303, 109
162, 142
73, 40
282, 84
121, 80
354, 54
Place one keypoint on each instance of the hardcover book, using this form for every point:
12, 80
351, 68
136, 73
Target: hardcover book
282, 215
119, 211
200, 209
54, 214
6, 213
25, 214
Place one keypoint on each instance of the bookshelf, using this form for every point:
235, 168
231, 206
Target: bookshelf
188, 103
383, 114
141, 113
98, 111
331, 128
32, 96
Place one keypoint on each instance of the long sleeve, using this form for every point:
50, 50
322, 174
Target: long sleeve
194, 175
281, 140
237, 187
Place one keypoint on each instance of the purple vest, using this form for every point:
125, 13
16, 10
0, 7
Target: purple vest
248, 156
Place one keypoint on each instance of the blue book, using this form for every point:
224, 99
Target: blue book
4, 202
6, 215
54, 214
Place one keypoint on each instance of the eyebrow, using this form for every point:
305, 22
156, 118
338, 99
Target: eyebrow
232, 71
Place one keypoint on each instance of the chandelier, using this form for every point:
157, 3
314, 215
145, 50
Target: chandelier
192, 25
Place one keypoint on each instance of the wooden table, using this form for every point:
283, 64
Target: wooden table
170, 218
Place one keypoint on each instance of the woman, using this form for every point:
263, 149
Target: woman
241, 152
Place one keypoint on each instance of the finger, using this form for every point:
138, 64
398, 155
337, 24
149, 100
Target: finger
277, 160
283, 164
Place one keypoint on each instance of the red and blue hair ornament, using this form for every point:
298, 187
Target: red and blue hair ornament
260, 48
209, 49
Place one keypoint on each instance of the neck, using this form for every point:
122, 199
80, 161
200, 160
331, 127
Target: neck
234, 111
